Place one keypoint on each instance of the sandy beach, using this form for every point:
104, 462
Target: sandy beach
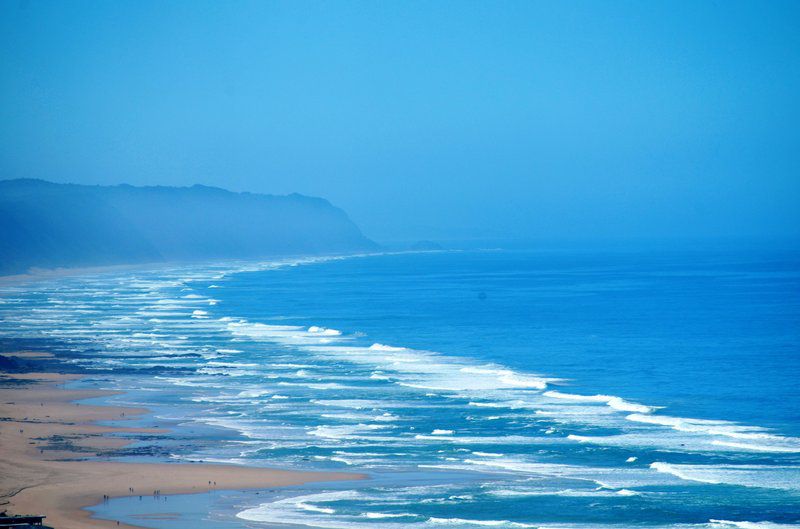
48, 445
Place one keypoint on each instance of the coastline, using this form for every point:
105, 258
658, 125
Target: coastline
34, 274
47, 442
37, 274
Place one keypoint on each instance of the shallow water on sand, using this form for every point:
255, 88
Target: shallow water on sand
557, 389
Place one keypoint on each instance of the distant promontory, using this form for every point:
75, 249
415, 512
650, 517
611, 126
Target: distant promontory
48, 225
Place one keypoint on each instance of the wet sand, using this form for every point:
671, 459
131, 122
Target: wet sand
49, 447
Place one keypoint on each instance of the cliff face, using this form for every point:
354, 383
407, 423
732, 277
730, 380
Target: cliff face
48, 225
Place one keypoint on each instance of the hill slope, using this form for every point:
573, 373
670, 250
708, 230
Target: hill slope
48, 225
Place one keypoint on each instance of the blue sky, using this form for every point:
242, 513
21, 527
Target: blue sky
442, 120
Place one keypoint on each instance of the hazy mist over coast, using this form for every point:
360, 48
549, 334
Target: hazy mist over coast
48, 225
448, 120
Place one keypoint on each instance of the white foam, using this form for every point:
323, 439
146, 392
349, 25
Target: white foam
322, 330
383, 515
429, 371
521, 492
353, 404
386, 417
750, 525
627, 492
355, 431
508, 377
314, 385
616, 403
300, 510
482, 523
490, 404
284, 334
253, 393
382, 347
766, 441
758, 447
766, 476
314, 508
484, 440
604, 477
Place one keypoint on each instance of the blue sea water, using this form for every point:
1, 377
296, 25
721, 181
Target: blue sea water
560, 388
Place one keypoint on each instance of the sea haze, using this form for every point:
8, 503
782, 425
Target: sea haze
48, 225
490, 388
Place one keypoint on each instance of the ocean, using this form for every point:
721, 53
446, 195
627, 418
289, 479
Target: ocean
552, 388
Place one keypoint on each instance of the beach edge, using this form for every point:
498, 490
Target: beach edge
62, 482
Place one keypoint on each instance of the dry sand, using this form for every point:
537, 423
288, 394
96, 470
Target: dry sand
45, 439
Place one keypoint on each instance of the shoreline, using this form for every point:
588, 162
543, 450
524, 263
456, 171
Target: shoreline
49, 445
35, 273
